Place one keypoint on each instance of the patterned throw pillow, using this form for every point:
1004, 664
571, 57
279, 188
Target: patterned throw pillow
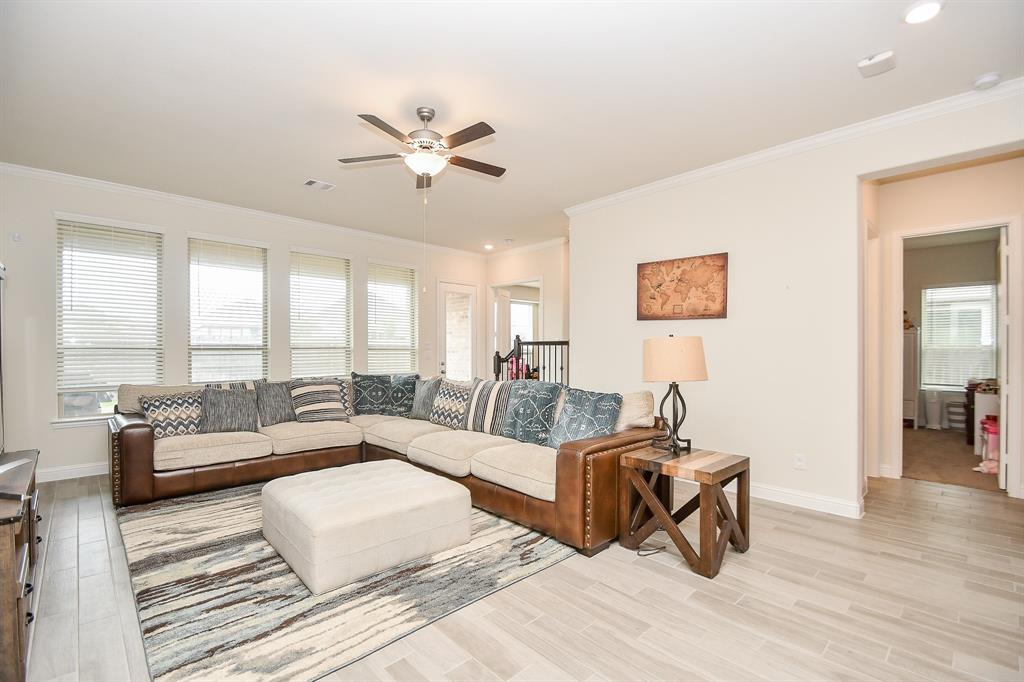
388, 394
423, 401
403, 393
371, 393
318, 400
451, 406
173, 415
274, 403
531, 411
585, 415
237, 385
488, 405
227, 410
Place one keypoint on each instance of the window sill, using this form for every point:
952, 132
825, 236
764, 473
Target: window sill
78, 422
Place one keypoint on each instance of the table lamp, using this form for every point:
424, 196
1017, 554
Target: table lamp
674, 359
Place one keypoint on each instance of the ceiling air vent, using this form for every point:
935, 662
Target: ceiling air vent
318, 184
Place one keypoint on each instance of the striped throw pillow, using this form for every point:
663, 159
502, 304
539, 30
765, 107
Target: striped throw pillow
173, 415
236, 385
488, 405
318, 400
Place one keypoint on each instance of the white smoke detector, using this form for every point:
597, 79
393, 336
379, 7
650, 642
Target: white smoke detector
987, 80
877, 63
318, 184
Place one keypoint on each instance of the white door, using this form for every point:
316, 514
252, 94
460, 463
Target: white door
1002, 342
502, 321
456, 346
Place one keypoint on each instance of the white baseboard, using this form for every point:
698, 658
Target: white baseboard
851, 509
70, 471
887, 471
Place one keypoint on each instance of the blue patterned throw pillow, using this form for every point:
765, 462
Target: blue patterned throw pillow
531, 411
387, 394
423, 400
585, 415
451, 406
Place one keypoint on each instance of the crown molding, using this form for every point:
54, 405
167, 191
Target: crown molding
967, 100
536, 246
144, 193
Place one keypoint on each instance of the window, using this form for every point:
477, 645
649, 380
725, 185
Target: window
523, 314
110, 316
958, 335
227, 311
321, 307
392, 313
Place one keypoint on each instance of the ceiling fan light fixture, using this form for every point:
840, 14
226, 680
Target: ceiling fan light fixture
922, 11
425, 162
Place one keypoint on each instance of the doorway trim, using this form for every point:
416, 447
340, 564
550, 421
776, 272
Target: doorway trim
492, 323
1011, 375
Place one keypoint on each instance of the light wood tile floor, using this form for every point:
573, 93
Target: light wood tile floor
928, 585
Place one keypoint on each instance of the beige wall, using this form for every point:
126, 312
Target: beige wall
946, 266
976, 196
27, 206
786, 366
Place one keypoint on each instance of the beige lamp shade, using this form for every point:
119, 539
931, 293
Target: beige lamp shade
674, 358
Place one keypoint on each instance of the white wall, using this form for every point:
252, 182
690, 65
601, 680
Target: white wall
967, 196
940, 266
785, 367
547, 263
28, 201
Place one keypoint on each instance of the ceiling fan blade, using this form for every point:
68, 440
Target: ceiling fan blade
422, 182
390, 130
378, 157
473, 132
478, 166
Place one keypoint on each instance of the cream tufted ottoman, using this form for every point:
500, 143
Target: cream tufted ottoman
335, 526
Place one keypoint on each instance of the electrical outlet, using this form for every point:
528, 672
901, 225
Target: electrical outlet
799, 462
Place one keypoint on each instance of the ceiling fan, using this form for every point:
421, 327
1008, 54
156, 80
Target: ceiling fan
428, 157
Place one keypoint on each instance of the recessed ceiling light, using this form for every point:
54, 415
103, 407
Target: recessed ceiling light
922, 11
986, 81
318, 184
488, 246
877, 63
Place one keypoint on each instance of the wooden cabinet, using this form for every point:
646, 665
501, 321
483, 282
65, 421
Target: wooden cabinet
18, 547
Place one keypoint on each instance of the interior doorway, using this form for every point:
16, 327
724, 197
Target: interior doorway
951, 358
517, 312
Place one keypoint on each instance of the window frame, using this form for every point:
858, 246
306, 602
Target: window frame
350, 306
923, 385
417, 284
189, 346
62, 218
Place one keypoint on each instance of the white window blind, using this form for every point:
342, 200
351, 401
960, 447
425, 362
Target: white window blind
958, 334
227, 311
321, 312
110, 315
392, 319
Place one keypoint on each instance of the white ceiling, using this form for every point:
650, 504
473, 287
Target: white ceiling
240, 103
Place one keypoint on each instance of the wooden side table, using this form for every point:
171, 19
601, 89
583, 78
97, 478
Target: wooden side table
644, 506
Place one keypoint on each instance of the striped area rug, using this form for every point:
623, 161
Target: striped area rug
215, 601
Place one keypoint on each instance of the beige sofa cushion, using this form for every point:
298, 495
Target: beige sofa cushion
365, 421
451, 451
338, 525
128, 395
298, 436
396, 433
525, 467
637, 410
203, 449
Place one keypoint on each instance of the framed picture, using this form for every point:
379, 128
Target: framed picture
692, 288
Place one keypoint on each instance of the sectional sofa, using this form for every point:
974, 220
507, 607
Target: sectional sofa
569, 493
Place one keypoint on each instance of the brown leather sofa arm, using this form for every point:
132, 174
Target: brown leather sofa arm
131, 459
586, 487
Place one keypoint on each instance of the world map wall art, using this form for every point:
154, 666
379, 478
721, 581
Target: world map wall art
692, 288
